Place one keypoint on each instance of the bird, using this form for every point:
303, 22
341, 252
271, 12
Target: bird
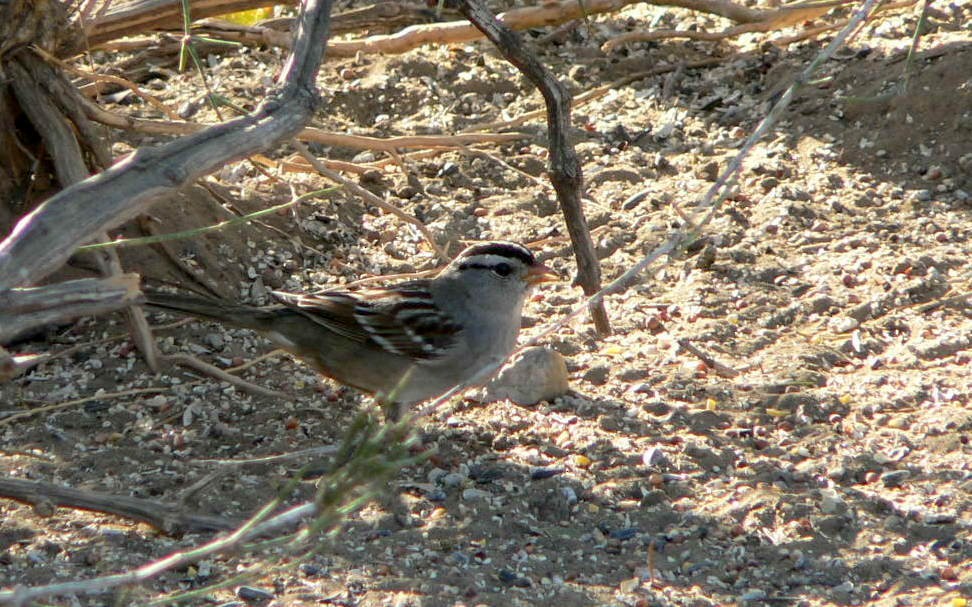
405, 343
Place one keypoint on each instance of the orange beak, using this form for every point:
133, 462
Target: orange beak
538, 273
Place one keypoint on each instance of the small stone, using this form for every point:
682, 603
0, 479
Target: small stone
536, 375
597, 375
453, 479
831, 502
895, 478
752, 595
253, 595
472, 494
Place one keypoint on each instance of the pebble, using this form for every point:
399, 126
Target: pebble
453, 479
253, 595
830, 502
895, 478
753, 595
473, 494
542, 473
597, 375
535, 375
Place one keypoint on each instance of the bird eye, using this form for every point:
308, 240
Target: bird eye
503, 269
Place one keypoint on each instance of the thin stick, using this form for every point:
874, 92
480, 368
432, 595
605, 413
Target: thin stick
721, 369
81, 401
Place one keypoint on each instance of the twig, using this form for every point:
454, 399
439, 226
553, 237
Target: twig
145, 240
965, 298
185, 360
271, 459
770, 20
81, 401
310, 134
166, 517
721, 369
122, 82
564, 167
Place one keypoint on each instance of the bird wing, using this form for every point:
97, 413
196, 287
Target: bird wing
402, 320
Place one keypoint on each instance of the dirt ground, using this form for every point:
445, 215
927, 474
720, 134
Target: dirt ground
834, 469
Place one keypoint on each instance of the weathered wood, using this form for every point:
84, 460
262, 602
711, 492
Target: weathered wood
142, 16
24, 309
168, 518
44, 239
564, 167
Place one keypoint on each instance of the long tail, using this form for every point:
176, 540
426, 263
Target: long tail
248, 317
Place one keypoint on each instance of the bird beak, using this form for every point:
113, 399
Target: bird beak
538, 273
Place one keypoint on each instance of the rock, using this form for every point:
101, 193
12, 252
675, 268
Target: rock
253, 595
895, 478
536, 375
597, 375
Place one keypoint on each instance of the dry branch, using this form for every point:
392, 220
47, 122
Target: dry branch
166, 517
126, 18
767, 21
140, 16
551, 13
45, 238
564, 167
24, 309
310, 134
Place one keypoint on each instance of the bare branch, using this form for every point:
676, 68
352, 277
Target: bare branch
565, 168
166, 517
45, 238
24, 309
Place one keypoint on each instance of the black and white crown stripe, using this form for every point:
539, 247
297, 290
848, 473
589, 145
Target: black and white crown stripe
507, 250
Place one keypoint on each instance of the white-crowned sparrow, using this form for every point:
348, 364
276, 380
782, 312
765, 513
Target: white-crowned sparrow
406, 343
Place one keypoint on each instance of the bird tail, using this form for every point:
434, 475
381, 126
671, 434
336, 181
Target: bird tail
247, 317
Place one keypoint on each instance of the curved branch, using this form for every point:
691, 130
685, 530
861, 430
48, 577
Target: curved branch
44, 239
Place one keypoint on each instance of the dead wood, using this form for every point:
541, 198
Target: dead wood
564, 167
141, 16
548, 13
171, 519
762, 21
45, 238
24, 309
309, 134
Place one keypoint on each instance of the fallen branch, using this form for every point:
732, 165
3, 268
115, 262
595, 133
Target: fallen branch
44, 497
24, 309
309, 134
781, 18
139, 16
12, 417
548, 13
